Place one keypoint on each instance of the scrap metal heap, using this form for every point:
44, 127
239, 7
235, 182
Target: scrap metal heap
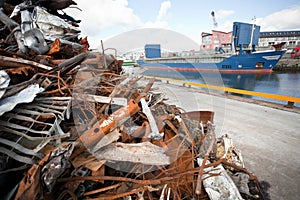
72, 127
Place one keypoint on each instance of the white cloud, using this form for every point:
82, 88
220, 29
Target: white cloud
161, 19
226, 26
98, 15
221, 14
287, 19
163, 11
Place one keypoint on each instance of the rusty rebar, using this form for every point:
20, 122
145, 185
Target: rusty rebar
102, 189
117, 196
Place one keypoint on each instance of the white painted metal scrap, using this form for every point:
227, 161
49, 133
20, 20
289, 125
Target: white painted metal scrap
154, 129
219, 187
145, 153
25, 96
4, 82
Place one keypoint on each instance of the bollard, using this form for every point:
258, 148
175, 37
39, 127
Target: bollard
290, 104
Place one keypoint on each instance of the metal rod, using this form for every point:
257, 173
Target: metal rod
105, 64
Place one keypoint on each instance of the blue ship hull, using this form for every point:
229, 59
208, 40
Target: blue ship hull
256, 62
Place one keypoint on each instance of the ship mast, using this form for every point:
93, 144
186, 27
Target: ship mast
252, 31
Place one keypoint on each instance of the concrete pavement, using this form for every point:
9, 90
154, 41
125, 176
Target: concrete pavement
268, 137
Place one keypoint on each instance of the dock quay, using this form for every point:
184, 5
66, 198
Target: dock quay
287, 65
266, 133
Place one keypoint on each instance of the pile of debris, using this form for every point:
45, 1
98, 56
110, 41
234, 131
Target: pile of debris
73, 126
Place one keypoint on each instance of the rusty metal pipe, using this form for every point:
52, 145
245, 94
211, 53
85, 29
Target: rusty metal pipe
93, 135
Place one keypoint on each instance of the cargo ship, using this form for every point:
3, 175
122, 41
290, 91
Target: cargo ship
243, 57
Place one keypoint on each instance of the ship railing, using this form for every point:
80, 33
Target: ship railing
289, 99
200, 59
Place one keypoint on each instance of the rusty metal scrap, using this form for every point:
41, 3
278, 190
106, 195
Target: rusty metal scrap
74, 126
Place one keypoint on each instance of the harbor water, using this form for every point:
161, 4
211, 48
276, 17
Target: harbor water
286, 84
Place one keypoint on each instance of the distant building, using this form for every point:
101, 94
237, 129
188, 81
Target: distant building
217, 39
291, 38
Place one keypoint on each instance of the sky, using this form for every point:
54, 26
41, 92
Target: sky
106, 19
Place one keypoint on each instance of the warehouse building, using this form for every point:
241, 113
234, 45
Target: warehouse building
217, 39
291, 38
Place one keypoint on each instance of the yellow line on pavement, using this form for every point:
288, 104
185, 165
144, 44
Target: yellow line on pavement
237, 91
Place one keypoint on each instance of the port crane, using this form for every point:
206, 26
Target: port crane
214, 18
